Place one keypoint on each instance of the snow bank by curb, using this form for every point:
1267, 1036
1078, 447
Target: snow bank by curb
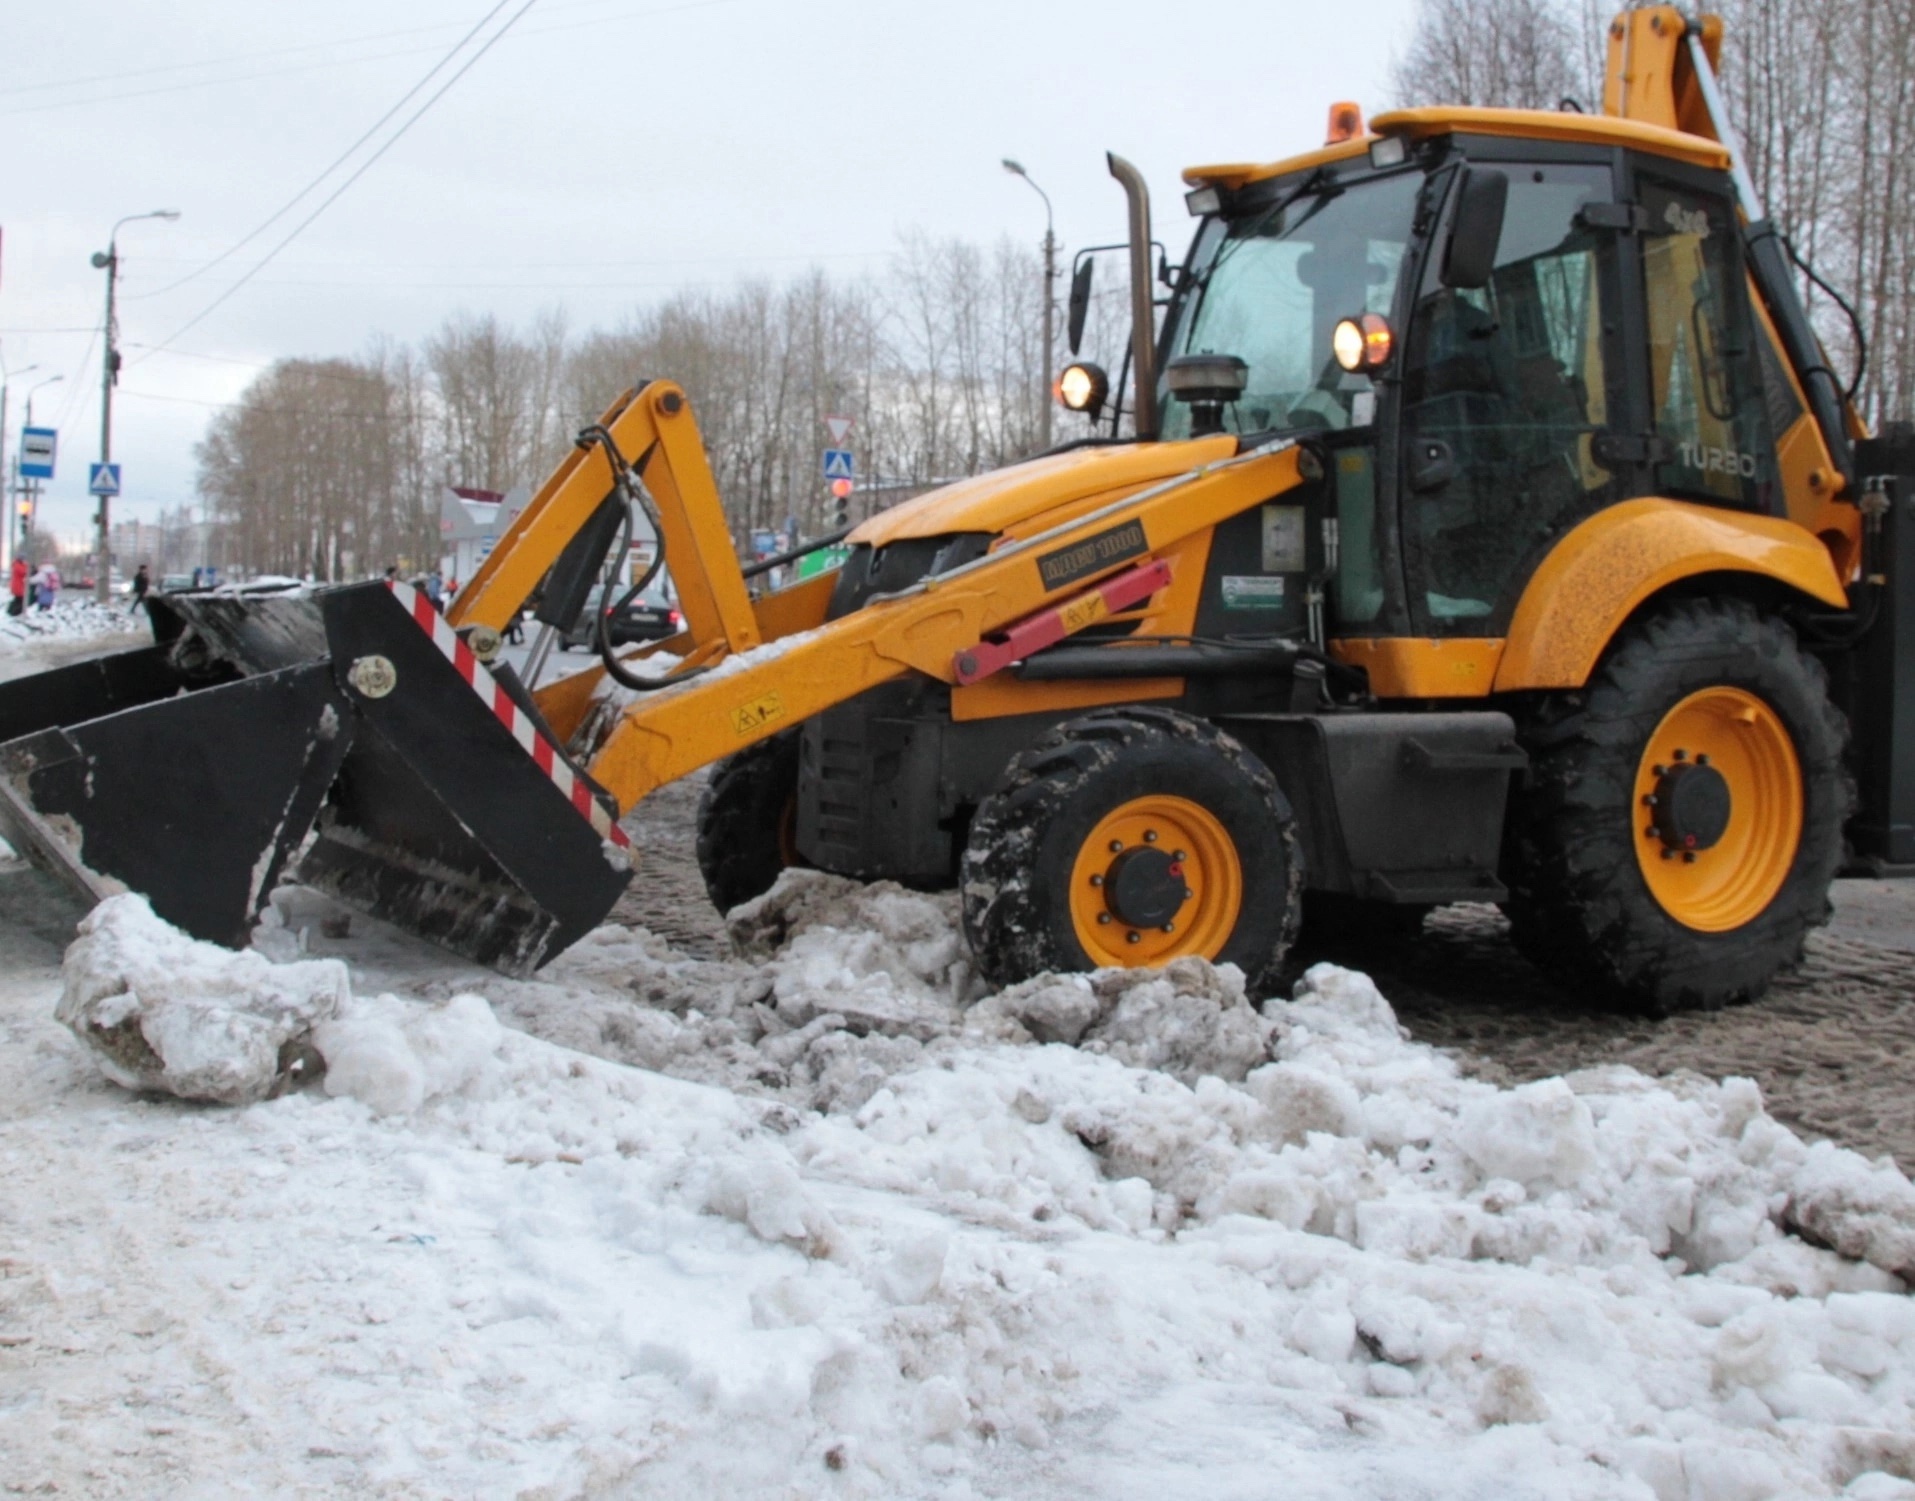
939, 1255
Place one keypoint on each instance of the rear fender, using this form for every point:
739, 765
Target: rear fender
1602, 571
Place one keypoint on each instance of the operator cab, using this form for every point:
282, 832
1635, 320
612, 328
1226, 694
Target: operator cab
1493, 337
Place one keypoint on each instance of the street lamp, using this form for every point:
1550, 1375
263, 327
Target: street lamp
29, 488
1016, 169
6, 380
108, 260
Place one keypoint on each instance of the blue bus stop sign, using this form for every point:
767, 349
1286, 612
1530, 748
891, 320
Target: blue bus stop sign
38, 446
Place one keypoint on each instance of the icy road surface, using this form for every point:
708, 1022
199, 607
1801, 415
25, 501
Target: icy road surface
880, 1238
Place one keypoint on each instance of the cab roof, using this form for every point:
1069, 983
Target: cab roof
1519, 124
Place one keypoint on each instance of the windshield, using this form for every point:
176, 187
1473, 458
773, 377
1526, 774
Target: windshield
1269, 287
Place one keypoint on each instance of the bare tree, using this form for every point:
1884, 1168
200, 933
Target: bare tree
1517, 54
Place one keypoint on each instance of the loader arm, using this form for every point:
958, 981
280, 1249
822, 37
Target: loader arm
751, 669
654, 429
927, 627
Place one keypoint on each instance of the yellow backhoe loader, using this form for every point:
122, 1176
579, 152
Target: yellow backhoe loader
1493, 529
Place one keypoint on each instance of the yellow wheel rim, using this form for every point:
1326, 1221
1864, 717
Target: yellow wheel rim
1127, 870
1710, 872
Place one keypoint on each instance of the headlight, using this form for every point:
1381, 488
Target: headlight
1363, 343
1082, 387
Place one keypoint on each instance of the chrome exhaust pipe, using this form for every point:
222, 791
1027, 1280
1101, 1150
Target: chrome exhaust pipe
1143, 305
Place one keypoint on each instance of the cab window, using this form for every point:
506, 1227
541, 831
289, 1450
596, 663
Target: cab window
1708, 398
1505, 390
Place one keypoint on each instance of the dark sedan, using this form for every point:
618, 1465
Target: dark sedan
650, 617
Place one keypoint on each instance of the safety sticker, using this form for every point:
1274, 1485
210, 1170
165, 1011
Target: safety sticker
1252, 591
766, 709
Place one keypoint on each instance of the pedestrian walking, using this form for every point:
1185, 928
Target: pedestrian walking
436, 589
142, 581
17, 586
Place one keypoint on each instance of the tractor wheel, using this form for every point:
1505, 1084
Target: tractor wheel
1129, 838
1678, 832
747, 820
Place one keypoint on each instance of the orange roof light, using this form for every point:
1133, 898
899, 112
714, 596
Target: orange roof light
1346, 122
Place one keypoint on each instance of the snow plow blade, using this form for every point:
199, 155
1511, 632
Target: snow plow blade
350, 724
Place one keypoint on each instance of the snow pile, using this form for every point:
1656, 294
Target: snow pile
1113, 1235
165, 1012
162, 1011
72, 619
395, 1055
265, 583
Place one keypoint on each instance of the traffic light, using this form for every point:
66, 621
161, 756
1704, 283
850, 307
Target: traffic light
841, 492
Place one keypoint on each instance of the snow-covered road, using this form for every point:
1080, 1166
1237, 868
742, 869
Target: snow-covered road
878, 1239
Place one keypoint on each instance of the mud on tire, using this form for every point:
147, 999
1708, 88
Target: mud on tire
1027, 837
745, 821
1581, 906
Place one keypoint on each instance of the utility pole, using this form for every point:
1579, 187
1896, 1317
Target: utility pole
6, 382
1016, 169
26, 492
108, 260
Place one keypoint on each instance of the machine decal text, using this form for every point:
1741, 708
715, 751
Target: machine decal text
1092, 555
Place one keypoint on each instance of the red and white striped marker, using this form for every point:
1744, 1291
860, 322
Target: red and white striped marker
540, 749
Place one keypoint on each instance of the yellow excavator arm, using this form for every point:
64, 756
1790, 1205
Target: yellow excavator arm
744, 670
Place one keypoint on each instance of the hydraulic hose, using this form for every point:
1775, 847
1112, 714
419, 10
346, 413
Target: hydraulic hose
628, 483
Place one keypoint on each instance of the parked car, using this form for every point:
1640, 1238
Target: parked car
176, 583
650, 617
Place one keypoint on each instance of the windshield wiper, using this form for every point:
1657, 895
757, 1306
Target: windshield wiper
1238, 238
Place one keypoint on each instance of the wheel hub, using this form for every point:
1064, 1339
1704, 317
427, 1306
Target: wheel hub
1144, 887
1692, 805
1719, 794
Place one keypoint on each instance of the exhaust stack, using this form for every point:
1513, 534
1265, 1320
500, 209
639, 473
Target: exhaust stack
1143, 305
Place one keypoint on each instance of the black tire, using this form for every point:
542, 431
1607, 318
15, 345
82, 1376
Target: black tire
1581, 906
745, 821
1027, 836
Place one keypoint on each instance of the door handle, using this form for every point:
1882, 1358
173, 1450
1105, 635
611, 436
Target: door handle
1432, 465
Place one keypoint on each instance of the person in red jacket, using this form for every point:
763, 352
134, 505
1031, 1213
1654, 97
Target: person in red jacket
17, 587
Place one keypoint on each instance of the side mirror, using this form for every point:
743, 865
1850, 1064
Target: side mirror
1080, 300
1477, 228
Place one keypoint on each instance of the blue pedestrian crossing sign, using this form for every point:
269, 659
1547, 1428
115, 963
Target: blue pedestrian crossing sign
837, 463
102, 479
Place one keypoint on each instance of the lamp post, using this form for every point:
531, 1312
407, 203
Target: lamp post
108, 260
6, 381
26, 487
1016, 169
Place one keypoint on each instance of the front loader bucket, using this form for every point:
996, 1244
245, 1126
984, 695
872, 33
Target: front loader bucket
351, 723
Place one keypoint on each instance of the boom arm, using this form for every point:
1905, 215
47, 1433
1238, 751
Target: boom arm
802, 664
1661, 71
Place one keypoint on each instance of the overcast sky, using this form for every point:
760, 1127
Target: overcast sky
603, 153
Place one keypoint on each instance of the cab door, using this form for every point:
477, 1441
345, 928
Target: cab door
1707, 423
1508, 391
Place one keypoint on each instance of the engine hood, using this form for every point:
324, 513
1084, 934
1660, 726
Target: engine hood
1042, 490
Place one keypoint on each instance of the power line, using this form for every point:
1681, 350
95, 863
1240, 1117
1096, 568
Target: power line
76, 386
214, 62
117, 96
360, 171
337, 162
